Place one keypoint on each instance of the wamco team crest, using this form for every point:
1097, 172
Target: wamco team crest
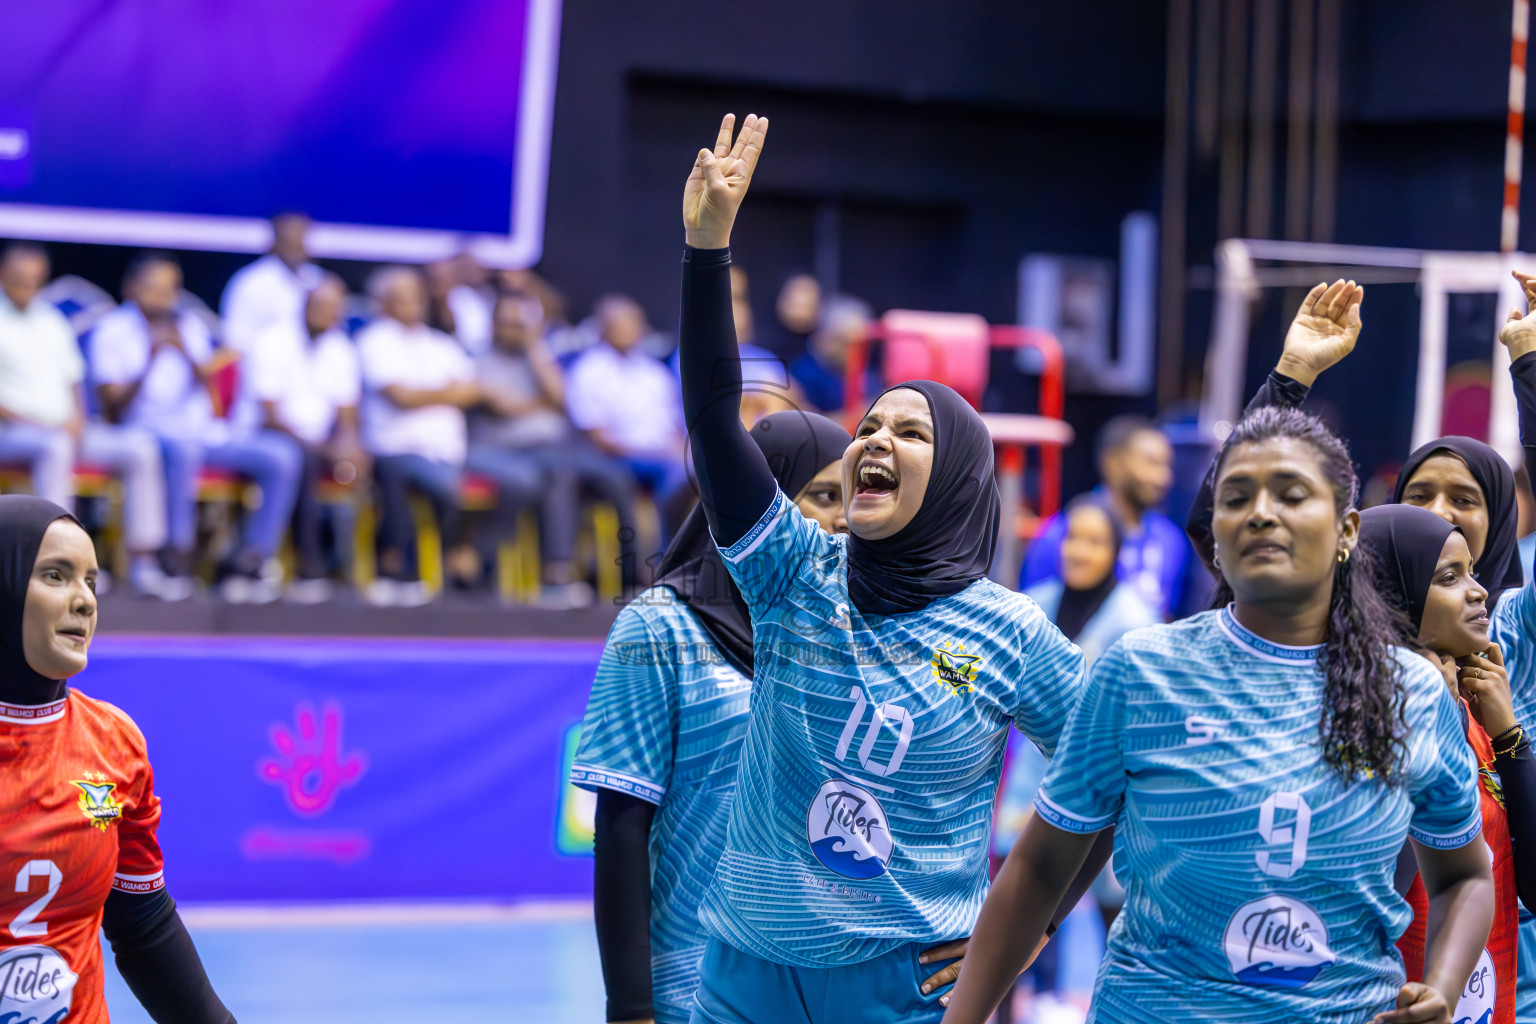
955, 668
96, 800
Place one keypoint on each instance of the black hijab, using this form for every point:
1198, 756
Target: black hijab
1498, 568
798, 445
948, 544
1405, 543
23, 521
1077, 607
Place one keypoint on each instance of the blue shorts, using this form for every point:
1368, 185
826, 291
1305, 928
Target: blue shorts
738, 988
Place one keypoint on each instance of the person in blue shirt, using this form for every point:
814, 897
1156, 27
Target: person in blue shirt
1460, 479
888, 671
1136, 467
1086, 597
1263, 763
662, 737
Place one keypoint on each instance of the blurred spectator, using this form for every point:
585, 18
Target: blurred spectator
461, 301
304, 374
272, 289
419, 382
522, 420
152, 367
798, 312
589, 333
1136, 471
1085, 598
821, 372
559, 334
629, 403
43, 422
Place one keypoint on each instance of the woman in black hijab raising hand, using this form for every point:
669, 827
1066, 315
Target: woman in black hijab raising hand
888, 670
78, 803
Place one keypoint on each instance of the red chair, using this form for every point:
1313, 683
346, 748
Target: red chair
956, 349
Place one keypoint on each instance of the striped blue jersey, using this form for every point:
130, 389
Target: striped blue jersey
665, 723
1513, 628
873, 754
1259, 885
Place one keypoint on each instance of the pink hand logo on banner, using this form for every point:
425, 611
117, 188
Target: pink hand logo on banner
310, 767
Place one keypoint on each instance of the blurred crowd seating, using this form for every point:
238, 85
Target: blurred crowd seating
451, 428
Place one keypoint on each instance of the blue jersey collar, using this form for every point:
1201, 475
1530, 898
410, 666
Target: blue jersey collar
1268, 650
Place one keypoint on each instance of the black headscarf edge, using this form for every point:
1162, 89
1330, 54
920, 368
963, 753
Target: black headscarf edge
798, 445
1498, 568
950, 542
23, 522
1405, 543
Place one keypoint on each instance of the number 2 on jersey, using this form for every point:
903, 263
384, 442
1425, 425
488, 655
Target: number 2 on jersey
25, 924
1296, 833
882, 715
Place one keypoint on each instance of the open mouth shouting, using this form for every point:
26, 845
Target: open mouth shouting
874, 480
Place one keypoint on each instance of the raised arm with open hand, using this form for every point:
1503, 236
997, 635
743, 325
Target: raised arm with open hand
1324, 331
735, 484
719, 182
1519, 331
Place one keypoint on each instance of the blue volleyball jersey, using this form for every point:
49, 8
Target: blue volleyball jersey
1258, 884
664, 723
872, 759
1513, 628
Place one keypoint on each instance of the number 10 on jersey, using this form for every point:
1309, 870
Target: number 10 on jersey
893, 715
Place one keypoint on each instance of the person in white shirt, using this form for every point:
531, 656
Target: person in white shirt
417, 384
272, 289
460, 301
628, 403
305, 377
152, 366
43, 422
522, 418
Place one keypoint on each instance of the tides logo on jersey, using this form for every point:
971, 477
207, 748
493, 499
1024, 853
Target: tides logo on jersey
1476, 1003
36, 986
847, 830
1277, 942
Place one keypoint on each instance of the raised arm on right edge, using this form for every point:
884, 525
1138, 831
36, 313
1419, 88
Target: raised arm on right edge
1324, 331
735, 484
1519, 336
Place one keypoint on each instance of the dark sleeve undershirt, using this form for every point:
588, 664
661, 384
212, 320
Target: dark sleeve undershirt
736, 485
1517, 777
622, 902
1523, 373
1278, 390
1517, 770
157, 959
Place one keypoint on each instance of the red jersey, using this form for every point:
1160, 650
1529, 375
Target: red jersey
1491, 989
78, 814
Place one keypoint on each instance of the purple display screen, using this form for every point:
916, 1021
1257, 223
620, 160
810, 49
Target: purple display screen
382, 114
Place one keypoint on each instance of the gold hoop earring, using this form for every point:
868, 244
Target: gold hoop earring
1344, 555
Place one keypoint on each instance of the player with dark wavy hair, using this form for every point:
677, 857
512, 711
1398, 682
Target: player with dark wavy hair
1262, 764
